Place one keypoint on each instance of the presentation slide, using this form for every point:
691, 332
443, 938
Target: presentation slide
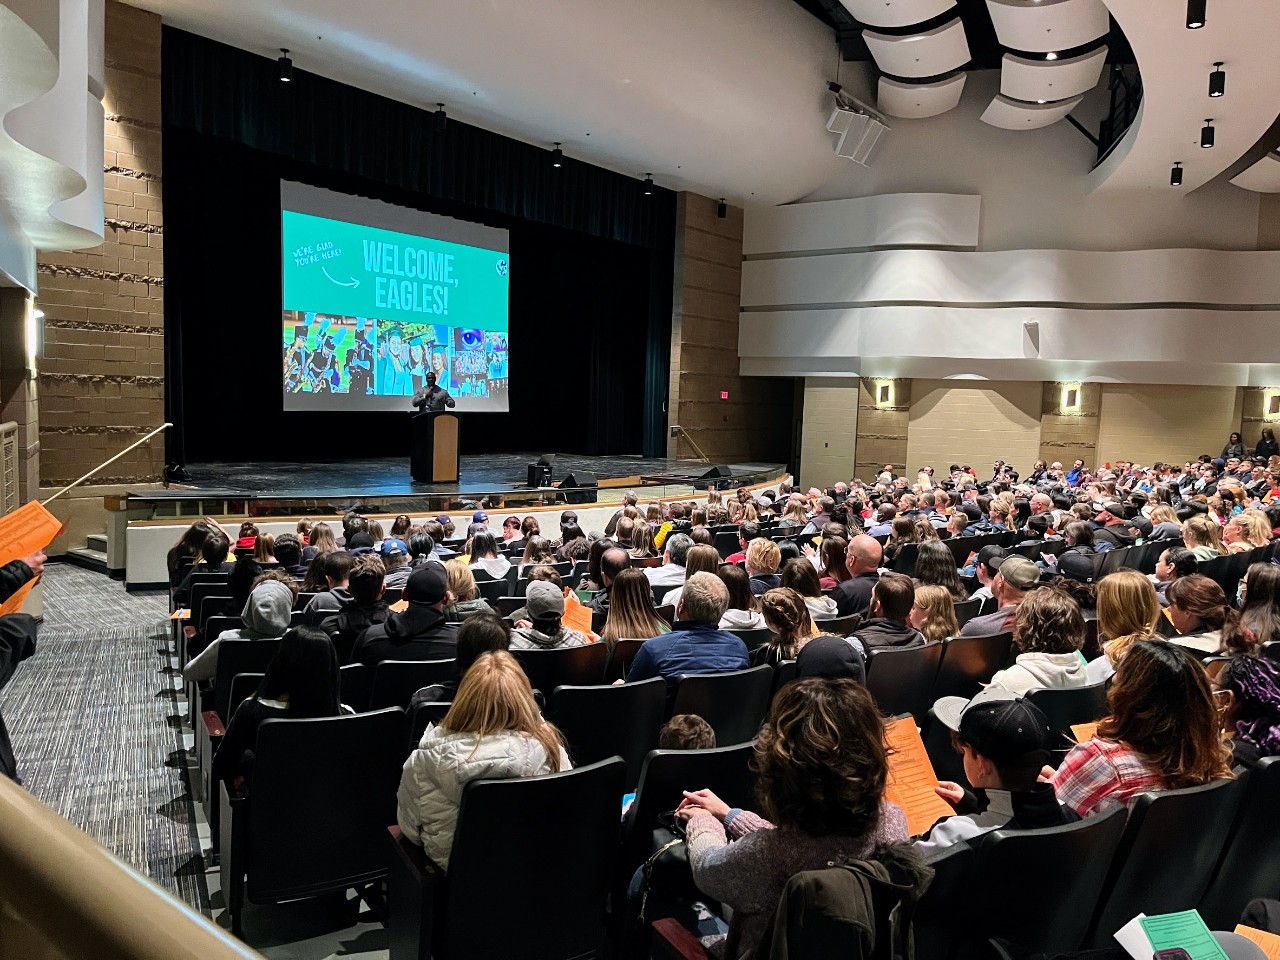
377, 297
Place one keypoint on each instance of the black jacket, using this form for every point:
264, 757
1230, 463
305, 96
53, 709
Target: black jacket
345, 627
854, 595
17, 642
419, 633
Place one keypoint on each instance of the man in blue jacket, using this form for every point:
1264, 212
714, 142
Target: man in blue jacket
696, 644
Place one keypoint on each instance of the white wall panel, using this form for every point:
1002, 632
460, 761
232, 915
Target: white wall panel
1016, 276
1041, 26
1010, 114
894, 220
926, 54
1048, 80
896, 13
916, 101
1262, 177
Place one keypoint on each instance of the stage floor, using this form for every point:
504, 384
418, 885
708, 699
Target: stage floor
389, 477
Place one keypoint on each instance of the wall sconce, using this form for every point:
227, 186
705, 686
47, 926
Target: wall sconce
33, 334
1271, 404
1071, 397
884, 393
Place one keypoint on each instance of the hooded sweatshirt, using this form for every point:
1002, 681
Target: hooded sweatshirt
495, 567
735, 619
821, 608
266, 616
1036, 671
417, 633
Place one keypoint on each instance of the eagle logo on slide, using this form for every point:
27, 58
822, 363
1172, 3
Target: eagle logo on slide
501, 267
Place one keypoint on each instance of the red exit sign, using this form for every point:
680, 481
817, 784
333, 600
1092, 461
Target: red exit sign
724, 394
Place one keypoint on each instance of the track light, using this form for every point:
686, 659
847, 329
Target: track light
442, 118
1051, 55
557, 156
648, 184
1195, 14
1206, 134
722, 209
286, 66
1175, 175
1217, 80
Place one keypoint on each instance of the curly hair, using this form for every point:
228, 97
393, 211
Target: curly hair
787, 616
820, 760
1049, 621
1255, 684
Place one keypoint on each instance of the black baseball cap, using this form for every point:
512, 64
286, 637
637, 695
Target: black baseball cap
998, 724
990, 556
427, 585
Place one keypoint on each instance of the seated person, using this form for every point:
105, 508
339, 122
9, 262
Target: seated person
612, 562
1015, 575
700, 558
337, 571
266, 616
542, 630
748, 530
1247, 693
301, 682
485, 633
1049, 632
934, 613
631, 611
366, 607
686, 731
892, 598
1005, 741
288, 552
763, 560
821, 769
485, 556
862, 560
833, 658
213, 559
1173, 563
395, 560
801, 577
420, 631
544, 572
467, 601
671, 572
493, 731
1163, 733
789, 623
743, 612
696, 644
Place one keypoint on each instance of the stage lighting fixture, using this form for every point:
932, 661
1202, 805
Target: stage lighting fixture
1175, 175
722, 209
286, 66
1206, 133
1195, 13
1217, 81
648, 184
557, 156
441, 118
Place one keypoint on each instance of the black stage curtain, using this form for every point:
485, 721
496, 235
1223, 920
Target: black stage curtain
591, 292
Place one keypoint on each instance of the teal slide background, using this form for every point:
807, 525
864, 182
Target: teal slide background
334, 267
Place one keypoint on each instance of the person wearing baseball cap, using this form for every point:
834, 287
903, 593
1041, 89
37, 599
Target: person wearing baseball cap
395, 557
544, 602
480, 517
984, 568
1015, 575
1005, 741
419, 632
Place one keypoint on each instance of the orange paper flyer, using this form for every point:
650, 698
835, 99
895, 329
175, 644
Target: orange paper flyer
912, 779
576, 616
1269, 942
24, 531
1084, 732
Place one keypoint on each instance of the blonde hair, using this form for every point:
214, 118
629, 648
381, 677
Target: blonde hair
763, 556
1128, 608
1201, 531
1163, 513
322, 538
495, 696
462, 582
1256, 527
940, 612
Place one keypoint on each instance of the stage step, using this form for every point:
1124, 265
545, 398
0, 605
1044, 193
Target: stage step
97, 541
88, 558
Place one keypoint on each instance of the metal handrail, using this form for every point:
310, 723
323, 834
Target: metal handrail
63, 893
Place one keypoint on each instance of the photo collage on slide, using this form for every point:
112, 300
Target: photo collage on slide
388, 358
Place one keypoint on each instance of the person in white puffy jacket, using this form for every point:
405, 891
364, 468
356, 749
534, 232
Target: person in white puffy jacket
493, 731
1049, 630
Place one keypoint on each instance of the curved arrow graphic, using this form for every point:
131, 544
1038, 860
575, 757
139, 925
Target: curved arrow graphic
353, 282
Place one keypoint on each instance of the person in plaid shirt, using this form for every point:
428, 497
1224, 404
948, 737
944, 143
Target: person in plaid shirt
1163, 733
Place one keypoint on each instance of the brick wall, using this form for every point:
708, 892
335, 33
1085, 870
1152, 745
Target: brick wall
1149, 422
958, 423
1068, 434
755, 422
102, 372
882, 427
829, 432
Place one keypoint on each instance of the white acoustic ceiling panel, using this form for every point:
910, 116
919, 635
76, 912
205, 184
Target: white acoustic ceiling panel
1262, 177
927, 54
1041, 26
1016, 115
916, 100
1037, 81
896, 13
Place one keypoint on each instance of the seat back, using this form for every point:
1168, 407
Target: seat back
753, 638
619, 660
569, 666
902, 680
1066, 707
839, 626
943, 910
905, 561
239, 656
734, 703
1167, 854
217, 624
422, 714
665, 774
353, 686
396, 681
324, 791
726, 543
491, 589
1248, 868
968, 663
966, 610
783, 674
576, 813
1051, 915
603, 721
243, 686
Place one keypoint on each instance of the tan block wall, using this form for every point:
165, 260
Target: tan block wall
882, 429
829, 432
102, 373
1174, 423
953, 422
1067, 435
704, 347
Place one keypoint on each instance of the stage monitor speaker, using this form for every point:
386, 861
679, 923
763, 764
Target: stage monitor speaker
579, 479
539, 475
716, 472
547, 460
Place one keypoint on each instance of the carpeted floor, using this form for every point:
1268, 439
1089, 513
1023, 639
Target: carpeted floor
95, 726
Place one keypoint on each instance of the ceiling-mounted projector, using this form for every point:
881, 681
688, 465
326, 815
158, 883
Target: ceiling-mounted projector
857, 126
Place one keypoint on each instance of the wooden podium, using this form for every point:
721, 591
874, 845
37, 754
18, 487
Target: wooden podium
433, 452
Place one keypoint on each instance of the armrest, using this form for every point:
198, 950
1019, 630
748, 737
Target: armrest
413, 858
672, 940
213, 725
